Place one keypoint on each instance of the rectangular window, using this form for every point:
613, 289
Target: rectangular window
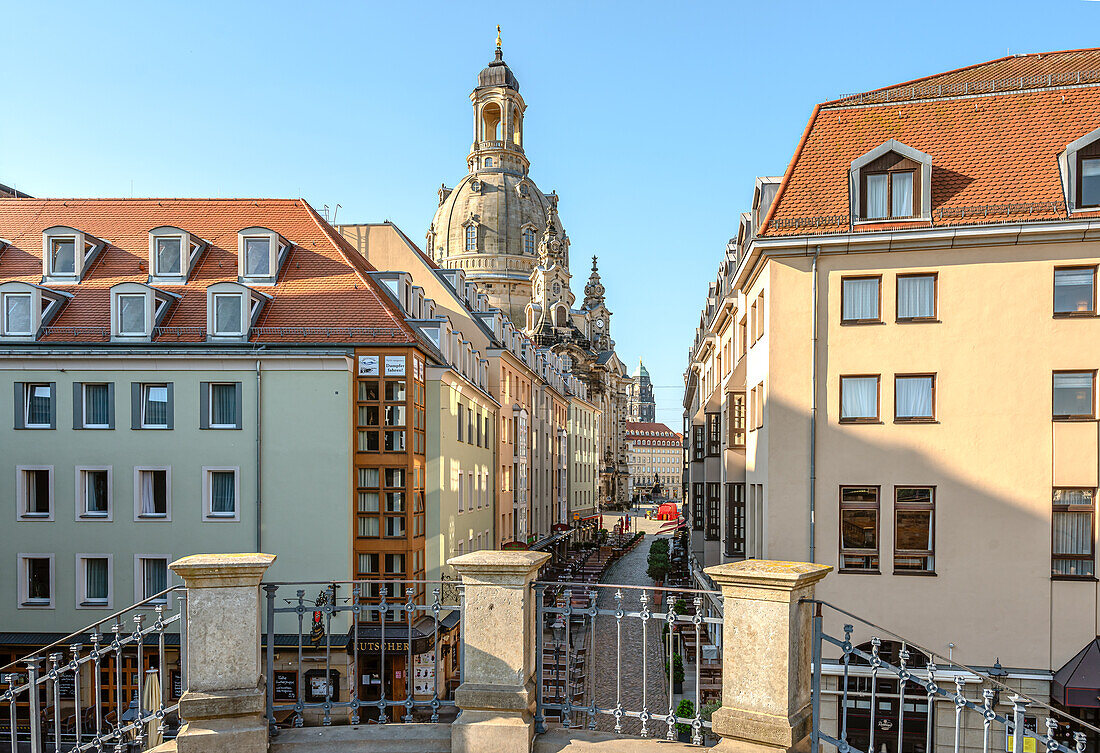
38, 411
94, 492
131, 315
1088, 190
1075, 291
859, 529
758, 408
368, 564
860, 300
221, 490
18, 319
714, 434
742, 337
395, 391
697, 505
395, 526
735, 520
1073, 546
736, 403
461, 423
63, 256
257, 257
1074, 394
152, 492
36, 584
169, 255
152, 577
901, 194
877, 191
395, 564
699, 443
859, 398
154, 406
395, 415
889, 195
228, 318
223, 406
97, 406
395, 441
914, 529
93, 580
35, 490
914, 397
368, 527
714, 511
916, 297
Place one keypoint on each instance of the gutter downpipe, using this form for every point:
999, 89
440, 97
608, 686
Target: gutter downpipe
259, 469
813, 414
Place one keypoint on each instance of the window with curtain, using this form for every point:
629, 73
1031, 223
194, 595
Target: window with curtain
901, 194
223, 493
154, 493
859, 398
96, 491
154, 577
1074, 394
368, 526
169, 256
17, 314
395, 526
914, 397
1088, 194
395, 415
96, 583
154, 406
917, 296
394, 441
859, 299
223, 405
257, 257
97, 406
227, 314
914, 530
859, 528
471, 237
1075, 290
131, 314
876, 196
889, 195
1073, 551
63, 256
37, 405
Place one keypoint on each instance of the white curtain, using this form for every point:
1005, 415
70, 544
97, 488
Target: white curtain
155, 576
222, 493
916, 297
96, 405
858, 397
1073, 536
876, 197
95, 587
901, 204
914, 396
860, 299
148, 502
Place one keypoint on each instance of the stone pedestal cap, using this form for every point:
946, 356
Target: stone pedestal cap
222, 570
494, 565
770, 574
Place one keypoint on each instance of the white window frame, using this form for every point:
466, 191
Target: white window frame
59, 237
24, 601
139, 576
183, 249
143, 392
82, 600
210, 406
82, 513
27, 387
167, 493
270, 261
145, 314
207, 500
21, 494
278, 249
4, 313
214, 315
84, 405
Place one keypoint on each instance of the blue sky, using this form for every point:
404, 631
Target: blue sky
651, 120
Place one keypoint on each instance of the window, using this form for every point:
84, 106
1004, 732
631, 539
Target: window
697, 504
758, 406
228, 314
859, 398
93, 493
461, 423
471, 237
150, 577
914, 529
914, 397
93, 578
1073, 549
714, 434
395, 415
257, 257
1088, 180
154, 406
220, 405
63, 256
743, 337
859, 529
698, 441
368, 564
395, 526
34, 490
38, 405
36, 581
97, 406
529, 242
221, 490
395, 441
736, 403
916, 297
18, 314
735, 520
488, 162
169, 255
1074, 394
131, 315
860, 299
1075, 291
714, 511
152, 493
395, 564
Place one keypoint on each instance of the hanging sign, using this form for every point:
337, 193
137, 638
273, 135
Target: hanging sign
368, 365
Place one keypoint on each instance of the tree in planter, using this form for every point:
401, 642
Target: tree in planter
677, 671
679, 606
658, 563
684, 710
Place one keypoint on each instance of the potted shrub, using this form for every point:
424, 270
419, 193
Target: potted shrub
684, 710
677, 674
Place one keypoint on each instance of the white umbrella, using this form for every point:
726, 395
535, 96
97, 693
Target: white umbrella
151, 702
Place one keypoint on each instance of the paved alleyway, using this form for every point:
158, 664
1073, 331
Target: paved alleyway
630, 570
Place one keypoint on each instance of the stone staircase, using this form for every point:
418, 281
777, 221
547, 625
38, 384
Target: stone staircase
365, 738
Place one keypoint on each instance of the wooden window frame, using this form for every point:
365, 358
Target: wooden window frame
928, 553
877, 552
1092, 540
1091, 416
915, 419
890, 164
713, 505
897, 297
734, 543
698, 504
877, 319
1090, 152
1054, 288
714, 435
698, 448
878, 399
738, 419
743, 337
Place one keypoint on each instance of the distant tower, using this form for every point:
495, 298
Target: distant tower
643, 407
599, 318
550, 308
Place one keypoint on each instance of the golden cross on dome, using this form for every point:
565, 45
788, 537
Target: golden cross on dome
498, 36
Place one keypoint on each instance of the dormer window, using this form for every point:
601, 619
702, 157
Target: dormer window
67, 253
169, 255
25, 308
257, 257
1088, 180
232, 310
228, 314
18, 311
136, 309
1079, 166
261, 253
888, 194
891, 182
131, 315
172, 254
63, 255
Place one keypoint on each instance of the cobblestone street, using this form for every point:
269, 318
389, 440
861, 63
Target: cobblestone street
630, 570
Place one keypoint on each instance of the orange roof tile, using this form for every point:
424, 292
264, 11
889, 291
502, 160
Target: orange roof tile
993, 132
323, 294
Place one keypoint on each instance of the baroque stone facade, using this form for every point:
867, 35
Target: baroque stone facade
643, 407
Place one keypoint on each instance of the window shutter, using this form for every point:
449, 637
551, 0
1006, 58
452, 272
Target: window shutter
204, 405
240, 404
78, 404
20, 389
171, 407
53, 405
135, 405
110, 405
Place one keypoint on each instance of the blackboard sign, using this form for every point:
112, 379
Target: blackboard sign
286, 686
175, 678
66, 685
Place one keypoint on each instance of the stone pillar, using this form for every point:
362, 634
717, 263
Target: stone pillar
497, 694
767, 639
223, 699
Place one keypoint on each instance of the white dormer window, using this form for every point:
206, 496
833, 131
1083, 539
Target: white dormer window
67, 253
18, 314
232, 310
257, 257
1080, 168
131, 315
136, 309
24, 308
63, 255
228, 314
891, 182
261, 252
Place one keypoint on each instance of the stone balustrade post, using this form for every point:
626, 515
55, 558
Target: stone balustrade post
223, 701
767, 640
497, 694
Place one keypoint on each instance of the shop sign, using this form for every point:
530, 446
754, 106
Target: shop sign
395, 645
395, 366
368, 365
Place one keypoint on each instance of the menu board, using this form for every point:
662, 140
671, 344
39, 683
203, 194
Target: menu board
286, 686
175, 679
368, 365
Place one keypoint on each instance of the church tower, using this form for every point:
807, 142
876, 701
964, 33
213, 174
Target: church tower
548, 315
599, 318
489, 223
643, 407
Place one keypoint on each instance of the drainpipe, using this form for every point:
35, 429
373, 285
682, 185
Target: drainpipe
259, 469
813, 413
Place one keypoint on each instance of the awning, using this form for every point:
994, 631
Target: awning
1078, 682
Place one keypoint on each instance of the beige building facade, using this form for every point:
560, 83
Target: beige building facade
655, 455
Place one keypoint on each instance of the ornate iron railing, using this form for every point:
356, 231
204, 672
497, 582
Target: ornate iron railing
569, 617
383, 622
47, 708
924, 678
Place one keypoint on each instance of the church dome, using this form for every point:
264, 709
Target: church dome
497, 73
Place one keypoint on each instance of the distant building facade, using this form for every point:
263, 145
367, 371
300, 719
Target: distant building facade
654, 455
643, 408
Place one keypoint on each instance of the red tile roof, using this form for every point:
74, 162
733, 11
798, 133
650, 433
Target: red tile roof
323, 282
993, 131
637, 428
